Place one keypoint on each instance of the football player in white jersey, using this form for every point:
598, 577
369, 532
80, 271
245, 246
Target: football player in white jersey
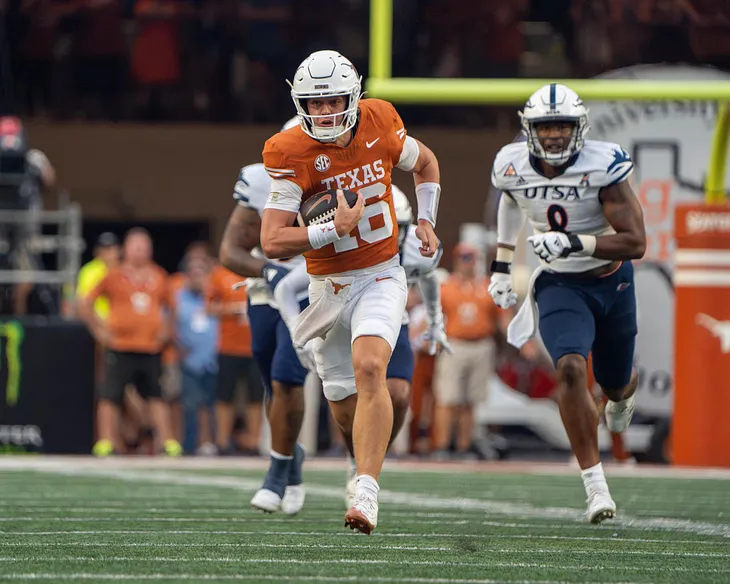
271, 343
588, 225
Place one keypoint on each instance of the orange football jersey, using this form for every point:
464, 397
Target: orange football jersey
364, 166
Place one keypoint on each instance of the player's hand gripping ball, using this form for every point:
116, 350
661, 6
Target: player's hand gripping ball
320, 208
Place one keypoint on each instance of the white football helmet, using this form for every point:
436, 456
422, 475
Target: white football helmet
554, 103
326, 74
403, 212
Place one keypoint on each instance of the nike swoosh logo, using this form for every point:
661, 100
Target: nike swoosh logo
371, 144
326, 198
383, 278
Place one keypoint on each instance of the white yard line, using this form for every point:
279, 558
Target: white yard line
378, 534
255, 517
257, 545
83, 467
365, 548
244, 463
269, 578
420, 501
365, 561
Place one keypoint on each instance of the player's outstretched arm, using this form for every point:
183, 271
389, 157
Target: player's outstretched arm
239, 238
427, 177
623, 211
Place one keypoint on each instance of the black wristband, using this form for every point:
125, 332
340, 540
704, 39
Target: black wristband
501, 267
575, 245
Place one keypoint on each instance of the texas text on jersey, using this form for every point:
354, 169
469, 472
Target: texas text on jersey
569, 202
301, 167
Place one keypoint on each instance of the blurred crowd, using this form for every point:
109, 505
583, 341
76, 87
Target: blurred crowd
175, 370
226, 60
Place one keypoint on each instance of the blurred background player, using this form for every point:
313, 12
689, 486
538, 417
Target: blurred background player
358, 289
588, 226
273, 351
135, 333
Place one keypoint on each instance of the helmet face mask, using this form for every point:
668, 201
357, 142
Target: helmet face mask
555, 122
322, 77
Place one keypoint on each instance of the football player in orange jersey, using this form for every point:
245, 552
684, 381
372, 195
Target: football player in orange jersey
357, 286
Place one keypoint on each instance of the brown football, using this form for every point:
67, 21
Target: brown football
320, 208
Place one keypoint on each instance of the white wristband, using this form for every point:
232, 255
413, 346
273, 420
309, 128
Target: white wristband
505, 254
589, 245
428, 195
322, 234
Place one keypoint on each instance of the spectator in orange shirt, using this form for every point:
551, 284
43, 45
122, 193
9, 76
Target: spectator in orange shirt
235, 362
461, 379
134, 335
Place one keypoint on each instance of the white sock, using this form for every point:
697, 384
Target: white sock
275, 454
352, 463
368, 484
593, 476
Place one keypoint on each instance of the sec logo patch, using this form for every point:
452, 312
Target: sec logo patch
322, 163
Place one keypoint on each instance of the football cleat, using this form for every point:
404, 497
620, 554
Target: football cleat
600, 504
293, 500
363, 515
619, 414
266, 501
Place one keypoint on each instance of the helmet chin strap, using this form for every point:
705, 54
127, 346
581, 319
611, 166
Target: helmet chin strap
328, 133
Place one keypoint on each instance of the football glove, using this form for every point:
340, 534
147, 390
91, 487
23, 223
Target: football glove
554, 244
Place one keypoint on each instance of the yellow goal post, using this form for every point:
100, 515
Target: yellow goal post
439, 91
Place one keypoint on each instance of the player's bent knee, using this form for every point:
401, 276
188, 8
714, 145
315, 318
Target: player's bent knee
571, 370
369, 369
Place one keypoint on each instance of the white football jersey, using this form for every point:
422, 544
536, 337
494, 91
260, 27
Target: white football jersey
252, 187
414, 264
252, 191
568, 202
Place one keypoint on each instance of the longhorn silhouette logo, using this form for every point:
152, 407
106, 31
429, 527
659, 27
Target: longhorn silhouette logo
719, 329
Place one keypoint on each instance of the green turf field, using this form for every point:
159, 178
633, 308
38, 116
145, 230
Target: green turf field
64, 520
